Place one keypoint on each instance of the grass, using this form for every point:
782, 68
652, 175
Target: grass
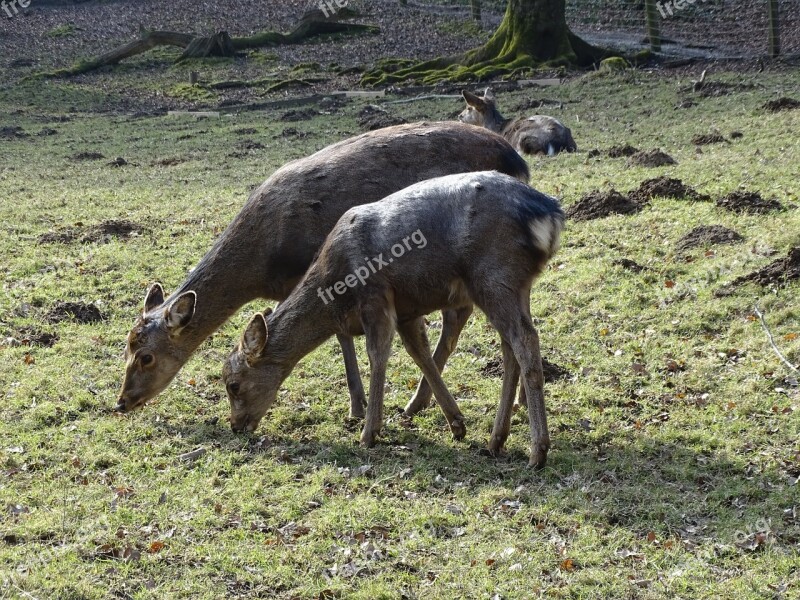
676, 455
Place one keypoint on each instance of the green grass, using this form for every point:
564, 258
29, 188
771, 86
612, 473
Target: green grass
660, 478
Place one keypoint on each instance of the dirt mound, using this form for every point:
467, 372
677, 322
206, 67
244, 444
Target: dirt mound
168, 162
736, 135
29, 336
748, 202
620, 151
664, 187
630, 265
598, 204
102, 232
708, 138
87, 156
79, 312
292, 132
12, 132
708, 235
651, 158
47, 131
552, 372
251, 145
245, 131
782, 104
713, 89
778, 274
303, 114
372, 117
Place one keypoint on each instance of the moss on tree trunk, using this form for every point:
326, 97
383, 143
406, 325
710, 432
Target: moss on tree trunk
533, 33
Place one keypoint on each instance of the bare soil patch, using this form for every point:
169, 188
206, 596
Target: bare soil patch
552, 372
782, 104
292, 132
651, 158
630, 265
714, 89
79, 312
707, 235
87, 156
102, 233
29, 336
12, 132
776, 274
623, 150
598, 204
748, 202
372, 117
302, 114
245, 131
664, 187
708, 138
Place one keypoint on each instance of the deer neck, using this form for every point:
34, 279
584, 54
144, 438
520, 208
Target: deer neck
225, 279
300, 324
496, 122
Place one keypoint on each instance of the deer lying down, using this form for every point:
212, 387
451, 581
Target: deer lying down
538, 134
268, 246
445, 243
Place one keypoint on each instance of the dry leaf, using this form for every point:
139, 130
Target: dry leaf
567, 565
155, 547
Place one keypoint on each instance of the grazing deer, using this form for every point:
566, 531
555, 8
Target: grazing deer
538, 134
268, 246
486, 237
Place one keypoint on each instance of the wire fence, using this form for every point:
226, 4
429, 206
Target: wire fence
713, 28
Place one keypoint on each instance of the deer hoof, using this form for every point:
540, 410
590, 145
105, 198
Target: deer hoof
538, 456
367, 439
458, 428
495, 447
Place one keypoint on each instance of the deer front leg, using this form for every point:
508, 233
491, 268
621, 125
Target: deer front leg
416, 344
453, 322
502, 421
354, 384
378, 321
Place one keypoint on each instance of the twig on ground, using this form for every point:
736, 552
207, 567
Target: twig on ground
760, 315
427, 97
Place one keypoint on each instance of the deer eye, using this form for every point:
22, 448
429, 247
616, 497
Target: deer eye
233, 388
146, 359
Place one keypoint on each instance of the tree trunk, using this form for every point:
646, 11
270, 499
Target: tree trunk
533, 33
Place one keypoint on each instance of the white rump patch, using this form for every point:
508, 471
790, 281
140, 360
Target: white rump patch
546, 232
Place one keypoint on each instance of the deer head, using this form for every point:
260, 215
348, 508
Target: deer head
153, 353
251, 376
481, 110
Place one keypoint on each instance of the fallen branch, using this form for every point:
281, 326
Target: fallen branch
217, 44
760, 315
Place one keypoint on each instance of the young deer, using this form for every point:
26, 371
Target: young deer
482, 239
268, 246
538, 134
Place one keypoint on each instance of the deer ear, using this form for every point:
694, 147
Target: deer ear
473, 100
178, 314
488, 95
154, 297
254, 338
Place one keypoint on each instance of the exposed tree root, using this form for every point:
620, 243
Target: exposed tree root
523, 42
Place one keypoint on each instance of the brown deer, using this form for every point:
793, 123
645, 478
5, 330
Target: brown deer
268, 246
477, 238
538, 134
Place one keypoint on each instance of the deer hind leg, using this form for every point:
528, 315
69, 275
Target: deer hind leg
502, 421
354, 384
511, 317
378, 320
416, 343
453, 322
